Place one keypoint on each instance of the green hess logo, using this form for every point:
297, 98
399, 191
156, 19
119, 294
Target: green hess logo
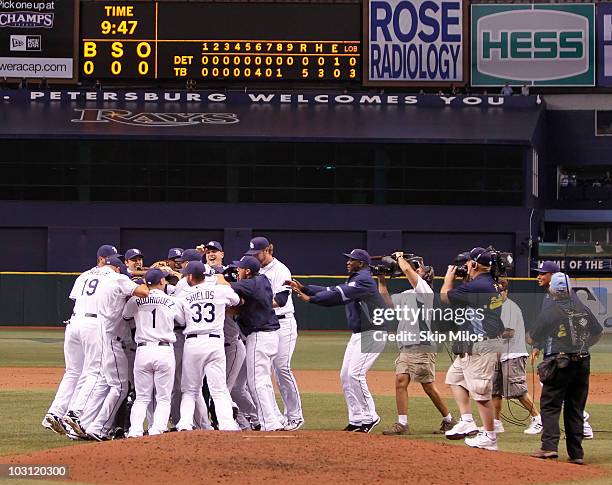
538, 44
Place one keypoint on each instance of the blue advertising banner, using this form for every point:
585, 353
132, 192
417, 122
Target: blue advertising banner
604, 44
412, 42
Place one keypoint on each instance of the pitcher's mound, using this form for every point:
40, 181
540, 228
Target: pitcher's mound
302, 457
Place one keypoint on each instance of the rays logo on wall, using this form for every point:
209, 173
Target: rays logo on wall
126, 117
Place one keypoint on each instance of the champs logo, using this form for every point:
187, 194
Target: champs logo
26, 19
126, 117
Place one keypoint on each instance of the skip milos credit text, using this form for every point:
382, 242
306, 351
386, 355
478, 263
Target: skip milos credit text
125, 44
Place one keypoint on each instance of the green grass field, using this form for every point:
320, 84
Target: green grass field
21, 410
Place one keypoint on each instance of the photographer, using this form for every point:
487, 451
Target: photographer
417, 359
472, 371
567, 329
361, 299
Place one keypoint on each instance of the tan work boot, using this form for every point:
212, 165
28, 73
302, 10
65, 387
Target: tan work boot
397, 429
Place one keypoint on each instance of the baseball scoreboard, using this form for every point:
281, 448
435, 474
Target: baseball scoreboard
225, 41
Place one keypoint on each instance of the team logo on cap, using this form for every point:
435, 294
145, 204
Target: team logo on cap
114, 248
177, 252
251, 245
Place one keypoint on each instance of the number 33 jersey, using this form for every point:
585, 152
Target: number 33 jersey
204, 306
154, 316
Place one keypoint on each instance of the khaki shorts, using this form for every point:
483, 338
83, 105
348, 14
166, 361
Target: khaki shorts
421, 366
474, 373
510, 380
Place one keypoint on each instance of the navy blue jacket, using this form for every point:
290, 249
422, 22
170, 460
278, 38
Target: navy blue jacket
481, 294
257, 314
551, 330
359, 295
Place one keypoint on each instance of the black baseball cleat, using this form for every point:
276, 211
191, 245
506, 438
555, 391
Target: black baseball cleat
96, 437
366, 428
117, 433
72, 420
351, 427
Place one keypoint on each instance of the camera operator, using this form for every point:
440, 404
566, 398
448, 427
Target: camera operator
567, 328
361, 298
417, 359
472, 371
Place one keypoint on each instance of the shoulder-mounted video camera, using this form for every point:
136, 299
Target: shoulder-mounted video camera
501, 263
388, 266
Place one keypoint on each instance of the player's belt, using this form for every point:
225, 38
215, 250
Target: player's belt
161, 344
89, 315
195, 335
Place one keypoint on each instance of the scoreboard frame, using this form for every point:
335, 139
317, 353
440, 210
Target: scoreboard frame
291, 53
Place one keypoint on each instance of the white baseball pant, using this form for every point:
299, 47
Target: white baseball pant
74, 358
205, 355
356, 363
153, 369
115, 368
89, 334
287, 385
261, 348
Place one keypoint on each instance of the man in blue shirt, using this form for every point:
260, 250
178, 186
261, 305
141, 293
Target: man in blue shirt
471, 374
361, 300
259, 324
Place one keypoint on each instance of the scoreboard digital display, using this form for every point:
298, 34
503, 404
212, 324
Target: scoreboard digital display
220, 41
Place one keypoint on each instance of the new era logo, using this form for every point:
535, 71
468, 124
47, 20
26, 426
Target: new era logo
25, 43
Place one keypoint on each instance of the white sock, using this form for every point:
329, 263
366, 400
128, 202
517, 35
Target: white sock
448, 418
491, 434
467, 417
402, 419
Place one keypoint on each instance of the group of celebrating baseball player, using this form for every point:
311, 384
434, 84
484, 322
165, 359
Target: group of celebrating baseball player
201, 351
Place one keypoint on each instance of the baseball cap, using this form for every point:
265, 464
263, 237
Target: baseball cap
106, 250
359, 255
548, 267
256, 245
133, 253
481, 256
190, 255
115, 261
175, 253
560, 282
249, 262
196, 268
214, 245
153, 276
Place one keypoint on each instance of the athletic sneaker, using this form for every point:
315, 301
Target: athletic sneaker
445, 426
54, 423
461, 430
482, 440
397, 429
535, 427
587, 431
498, 427
352, 427
366, 428
294, 424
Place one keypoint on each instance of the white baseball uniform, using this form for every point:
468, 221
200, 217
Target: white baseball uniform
86, 332
154, 365
204, 353
74, 350
277, 273
179, 344
113, 294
